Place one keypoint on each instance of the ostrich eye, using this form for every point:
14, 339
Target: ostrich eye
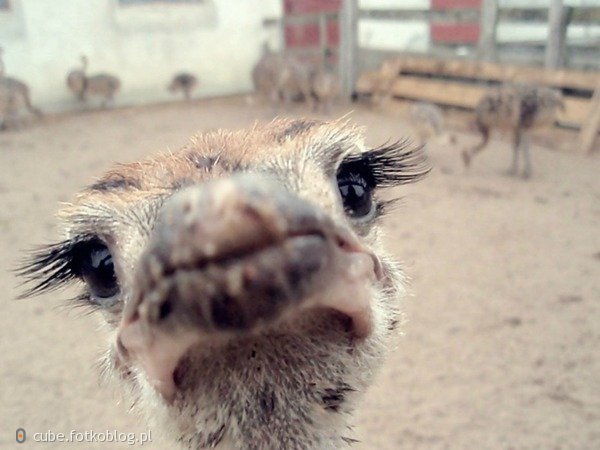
356, 195
95, 266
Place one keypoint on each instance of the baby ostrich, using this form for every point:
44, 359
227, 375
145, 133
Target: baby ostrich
381, 83
244, 279
280, 78
14, 96
427, 119
325, 85
516, 109
76, 80
100, 85
184, 83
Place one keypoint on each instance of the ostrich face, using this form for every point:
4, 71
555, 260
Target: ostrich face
243, 280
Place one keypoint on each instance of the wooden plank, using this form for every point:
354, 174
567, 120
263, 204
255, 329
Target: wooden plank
365, 84
307, 18
591, 126
451, 16
477, 70
438, 91
576, 111
457, 94
313, 53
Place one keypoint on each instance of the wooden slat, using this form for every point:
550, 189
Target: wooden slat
576, 111
308, 18
366, 82
450, 16
438, 91
457, 94
591, 126
475, 70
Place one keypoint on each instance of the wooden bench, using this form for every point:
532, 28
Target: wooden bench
462, 84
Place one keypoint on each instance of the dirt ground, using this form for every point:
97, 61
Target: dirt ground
500, 349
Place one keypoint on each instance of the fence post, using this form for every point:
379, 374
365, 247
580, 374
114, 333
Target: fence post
591, 126
322, 39
557, 30
487, 30
348, 56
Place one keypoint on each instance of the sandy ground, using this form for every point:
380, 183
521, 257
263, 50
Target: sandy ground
501, 345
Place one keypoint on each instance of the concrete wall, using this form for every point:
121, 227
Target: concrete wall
144, 44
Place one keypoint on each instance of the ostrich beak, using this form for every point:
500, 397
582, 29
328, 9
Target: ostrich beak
233, 256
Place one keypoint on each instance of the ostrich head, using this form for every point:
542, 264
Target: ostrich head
243, 280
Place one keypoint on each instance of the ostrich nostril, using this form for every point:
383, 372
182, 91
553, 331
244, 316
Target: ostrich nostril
347, 243
227, 313
160, 311
342, 243
165, 310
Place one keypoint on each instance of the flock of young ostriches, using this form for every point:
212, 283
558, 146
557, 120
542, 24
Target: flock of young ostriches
280, 79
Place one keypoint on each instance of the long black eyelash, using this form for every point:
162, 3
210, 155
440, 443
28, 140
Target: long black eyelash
50, 267
390, 165
383, 207
81, 304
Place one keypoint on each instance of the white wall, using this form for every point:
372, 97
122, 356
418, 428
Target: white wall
218, 40
381, 34
412, 36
